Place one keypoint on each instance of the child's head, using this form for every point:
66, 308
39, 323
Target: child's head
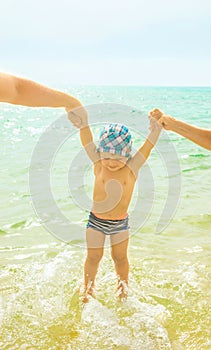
115, 139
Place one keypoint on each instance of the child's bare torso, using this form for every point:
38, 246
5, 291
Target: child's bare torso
112, 191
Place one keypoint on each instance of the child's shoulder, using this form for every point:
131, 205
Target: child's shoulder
133, 169
97, 166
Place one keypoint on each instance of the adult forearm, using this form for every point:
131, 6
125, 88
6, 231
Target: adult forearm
32, 94
201, 137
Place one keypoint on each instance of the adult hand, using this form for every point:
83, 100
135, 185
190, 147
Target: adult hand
78, 117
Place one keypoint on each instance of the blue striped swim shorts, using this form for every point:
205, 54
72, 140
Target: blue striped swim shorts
108, 227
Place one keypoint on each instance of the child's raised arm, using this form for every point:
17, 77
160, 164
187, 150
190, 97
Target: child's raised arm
144, 151
79, 118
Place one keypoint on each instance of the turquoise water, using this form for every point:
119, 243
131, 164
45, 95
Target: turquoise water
169, 295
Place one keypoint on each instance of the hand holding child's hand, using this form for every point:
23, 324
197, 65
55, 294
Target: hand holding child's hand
78, 117
157, 117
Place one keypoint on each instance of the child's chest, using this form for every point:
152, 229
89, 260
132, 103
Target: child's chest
123, 178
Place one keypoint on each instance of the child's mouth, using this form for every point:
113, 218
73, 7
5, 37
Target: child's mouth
113, 167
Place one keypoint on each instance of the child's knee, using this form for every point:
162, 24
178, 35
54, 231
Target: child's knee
119, 259
94, 257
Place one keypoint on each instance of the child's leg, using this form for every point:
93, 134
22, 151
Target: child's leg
119, 246
95, 247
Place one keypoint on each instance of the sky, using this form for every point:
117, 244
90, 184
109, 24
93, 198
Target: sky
112, 42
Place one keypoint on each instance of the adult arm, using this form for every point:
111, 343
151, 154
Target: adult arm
20, 91
200, 136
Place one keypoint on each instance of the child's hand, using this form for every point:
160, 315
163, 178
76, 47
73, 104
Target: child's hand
78, 117
156, 114
154, 117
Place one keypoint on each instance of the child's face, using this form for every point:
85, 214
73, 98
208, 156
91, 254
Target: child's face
113, 162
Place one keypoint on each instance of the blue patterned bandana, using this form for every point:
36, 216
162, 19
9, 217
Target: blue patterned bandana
115, 139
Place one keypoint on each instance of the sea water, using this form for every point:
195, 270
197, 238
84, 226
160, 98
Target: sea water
168, 306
